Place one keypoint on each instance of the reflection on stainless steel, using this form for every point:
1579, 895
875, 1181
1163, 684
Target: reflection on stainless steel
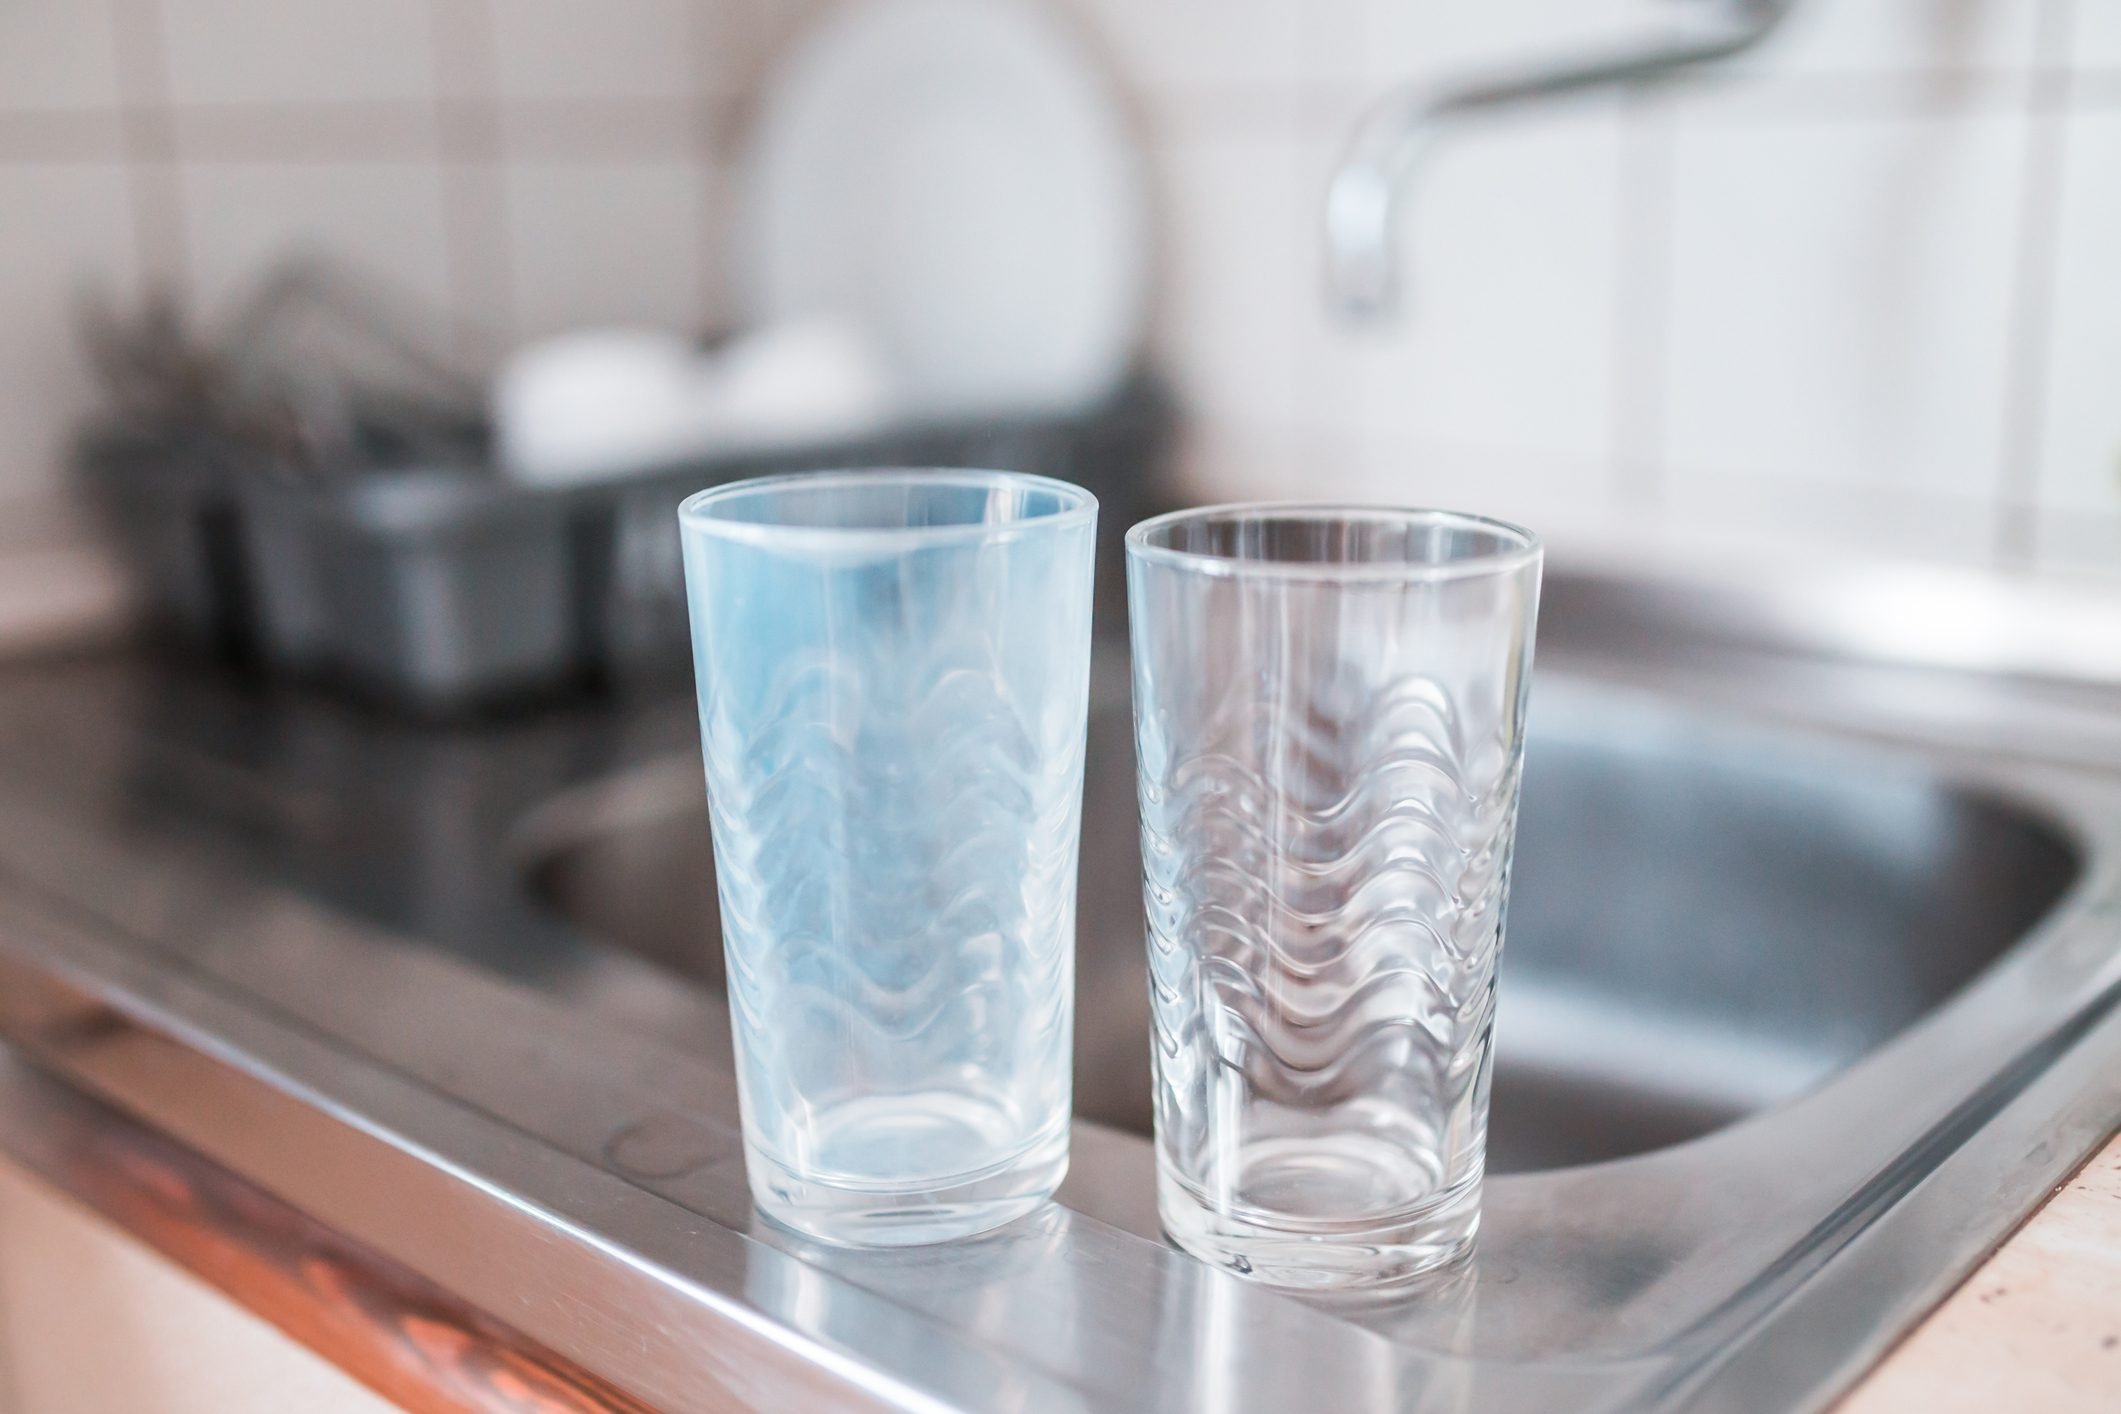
1807, 998
1705, 922
1364, 197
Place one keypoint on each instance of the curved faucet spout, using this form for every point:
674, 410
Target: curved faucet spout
1364, 198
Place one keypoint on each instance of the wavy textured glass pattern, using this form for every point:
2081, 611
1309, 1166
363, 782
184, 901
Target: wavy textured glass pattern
1329, 723
893, 675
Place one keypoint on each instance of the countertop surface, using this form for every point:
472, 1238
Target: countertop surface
2038, 1327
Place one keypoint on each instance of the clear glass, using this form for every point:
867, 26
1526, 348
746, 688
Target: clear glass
893, 671
1329, 719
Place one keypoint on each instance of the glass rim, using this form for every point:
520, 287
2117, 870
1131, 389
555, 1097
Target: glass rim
1077, 506
1526, 549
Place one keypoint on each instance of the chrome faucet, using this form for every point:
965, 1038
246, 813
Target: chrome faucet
1365, 195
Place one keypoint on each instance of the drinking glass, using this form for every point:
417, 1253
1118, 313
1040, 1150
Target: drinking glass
893, 671
1329, 720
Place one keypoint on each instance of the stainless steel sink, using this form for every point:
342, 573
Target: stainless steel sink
1764, 970
1809, 996
1706, 920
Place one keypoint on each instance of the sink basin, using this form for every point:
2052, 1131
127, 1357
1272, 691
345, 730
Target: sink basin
1705, 920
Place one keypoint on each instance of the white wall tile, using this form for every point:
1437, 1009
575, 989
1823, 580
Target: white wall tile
249, 51
1890, 522
610, 242
64, 229
2095, 33
1901, 36
2077, 541
749, 37
1378, 41
618, 49
2080, 438
1555, 496
1841, 301
57, 54
1233, 459
1507, 332
1238, 259
1240, 460
384, 219
1496, 380
1161, 45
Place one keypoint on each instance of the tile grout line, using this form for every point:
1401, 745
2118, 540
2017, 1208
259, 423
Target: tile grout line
597, 132
483, 314
1193, 114
148, 140
710, 303
62, 135
1825, 97
2032, 298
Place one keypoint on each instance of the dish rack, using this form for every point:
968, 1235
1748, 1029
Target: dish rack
436, 587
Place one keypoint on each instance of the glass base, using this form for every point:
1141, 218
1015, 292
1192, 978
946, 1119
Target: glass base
1317, 1255
938, 1210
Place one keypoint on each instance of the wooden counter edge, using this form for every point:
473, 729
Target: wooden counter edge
380, 1322
2036, 1327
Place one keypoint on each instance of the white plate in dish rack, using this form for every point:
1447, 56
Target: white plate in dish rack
953, 175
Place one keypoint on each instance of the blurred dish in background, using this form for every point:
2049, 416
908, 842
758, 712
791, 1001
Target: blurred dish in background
953, 176
602, 403
815, 379
591, 403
